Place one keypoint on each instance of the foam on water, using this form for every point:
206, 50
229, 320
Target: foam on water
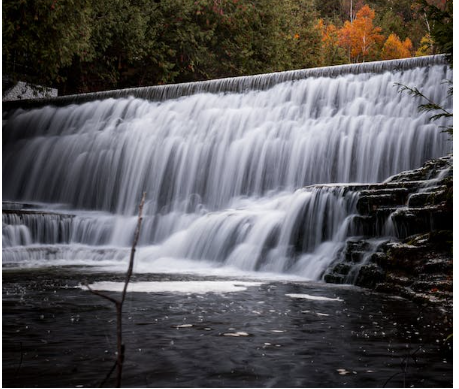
187, 287
311, 297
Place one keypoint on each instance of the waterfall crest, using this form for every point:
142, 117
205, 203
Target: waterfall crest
243, 84
231, 178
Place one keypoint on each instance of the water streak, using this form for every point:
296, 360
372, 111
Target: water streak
226, 174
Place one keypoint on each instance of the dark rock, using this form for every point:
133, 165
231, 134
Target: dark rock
21, 212
393, 191
369, 276
416, 263
432, 286
372, 225
333, 278
370, 203
398, 280
13, 205
342, 268
356, 245
427, 172
411, 221
437, 265
426, 198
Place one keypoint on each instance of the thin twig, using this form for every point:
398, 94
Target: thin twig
392, 376
133, 249
119, 303
108, 374
20, 360
97, 293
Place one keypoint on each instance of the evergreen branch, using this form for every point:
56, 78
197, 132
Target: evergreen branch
430, 105
440, 115
448, 129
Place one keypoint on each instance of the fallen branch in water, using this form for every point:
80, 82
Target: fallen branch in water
119, 303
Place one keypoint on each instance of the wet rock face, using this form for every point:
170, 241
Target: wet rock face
410, 203
428, 171
420, 268
414, 210
369, 276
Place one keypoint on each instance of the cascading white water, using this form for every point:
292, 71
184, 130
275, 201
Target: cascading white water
224, 173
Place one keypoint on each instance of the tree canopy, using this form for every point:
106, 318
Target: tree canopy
82, 46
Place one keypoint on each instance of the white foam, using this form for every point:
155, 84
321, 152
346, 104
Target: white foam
147, 263
311, 297
189, 287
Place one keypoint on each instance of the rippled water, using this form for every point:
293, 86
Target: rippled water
275, 333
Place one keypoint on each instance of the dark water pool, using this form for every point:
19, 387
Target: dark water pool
57, 335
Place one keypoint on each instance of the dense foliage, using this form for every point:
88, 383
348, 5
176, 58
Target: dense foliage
84, 45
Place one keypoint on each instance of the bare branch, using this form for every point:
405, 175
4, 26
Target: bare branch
133, 249
97, 293
108, 374
119, 303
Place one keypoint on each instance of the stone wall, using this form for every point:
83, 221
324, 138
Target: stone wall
24, 91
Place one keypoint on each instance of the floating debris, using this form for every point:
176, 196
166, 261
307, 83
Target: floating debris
182, 326
236, 334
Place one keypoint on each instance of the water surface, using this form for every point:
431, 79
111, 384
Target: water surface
271, 333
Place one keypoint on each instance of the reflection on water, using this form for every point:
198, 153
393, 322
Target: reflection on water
55, 334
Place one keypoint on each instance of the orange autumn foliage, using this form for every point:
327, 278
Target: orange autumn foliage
360, 37
332, 53
394, 48
330, 35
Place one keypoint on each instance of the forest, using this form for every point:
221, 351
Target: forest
83, 46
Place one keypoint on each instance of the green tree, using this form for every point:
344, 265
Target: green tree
440, 18
96, 45
392, 23
306, 45
123, 35
41, 37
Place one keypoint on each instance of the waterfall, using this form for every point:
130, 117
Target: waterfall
242, 173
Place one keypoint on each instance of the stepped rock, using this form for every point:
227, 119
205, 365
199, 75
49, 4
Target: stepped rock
416, 263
